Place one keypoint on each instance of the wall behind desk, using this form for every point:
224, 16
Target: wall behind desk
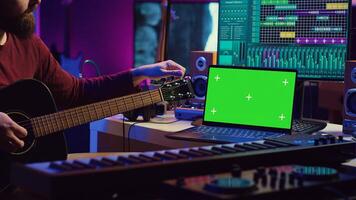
101, 30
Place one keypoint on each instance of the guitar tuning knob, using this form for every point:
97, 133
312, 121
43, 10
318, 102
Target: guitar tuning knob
180, 94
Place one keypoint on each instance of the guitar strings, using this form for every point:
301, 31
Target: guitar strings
28, 124
146, 97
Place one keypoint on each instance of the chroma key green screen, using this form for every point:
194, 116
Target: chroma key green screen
254, 97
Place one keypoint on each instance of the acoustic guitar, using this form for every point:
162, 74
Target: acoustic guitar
31, 104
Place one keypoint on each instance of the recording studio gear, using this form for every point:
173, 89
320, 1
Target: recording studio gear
199, 65
60, 179
349, 124
275, 182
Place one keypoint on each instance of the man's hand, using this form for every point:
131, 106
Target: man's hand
10, 134
157, 71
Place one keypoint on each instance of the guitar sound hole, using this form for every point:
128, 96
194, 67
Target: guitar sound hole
23, 121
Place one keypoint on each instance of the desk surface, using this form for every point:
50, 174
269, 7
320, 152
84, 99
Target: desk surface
154, 133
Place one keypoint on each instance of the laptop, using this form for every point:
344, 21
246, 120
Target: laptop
245, 104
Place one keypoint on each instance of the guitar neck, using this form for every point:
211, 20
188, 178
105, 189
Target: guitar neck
48, 124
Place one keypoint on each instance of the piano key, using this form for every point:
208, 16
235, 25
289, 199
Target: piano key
60, 167
165, 156
152, 158
190, 154
113, 162
223, 150
179, 156
210, 151
128, 160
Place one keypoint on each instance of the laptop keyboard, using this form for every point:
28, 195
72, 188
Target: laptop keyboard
235, 132
213, 134
303, 126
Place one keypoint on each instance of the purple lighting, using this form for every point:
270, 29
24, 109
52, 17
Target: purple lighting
319, 40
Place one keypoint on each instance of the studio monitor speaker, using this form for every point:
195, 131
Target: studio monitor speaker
199, 65
350, 97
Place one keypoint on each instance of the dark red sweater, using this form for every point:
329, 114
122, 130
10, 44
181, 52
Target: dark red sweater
30, 58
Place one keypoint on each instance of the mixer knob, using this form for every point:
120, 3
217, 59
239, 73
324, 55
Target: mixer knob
291, 179
340, 138
323, 140
264, 180
273, 181
316, 142
261, 170
256, 177
283, 175
282, 183
300, 181
236, 171
272, 172
332, 140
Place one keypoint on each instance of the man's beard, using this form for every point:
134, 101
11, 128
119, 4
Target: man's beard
22, 26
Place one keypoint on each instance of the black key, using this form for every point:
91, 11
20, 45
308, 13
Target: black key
77, 162
165, 156
266, 145
112, 162
60, 167
152, 158
246, 148
128, 160
239, 148
189, 153
250, 147
276, 143
261, 146
100, 163
179, 156
223, 150
73, 165
230, 148
143, 159
202, 153
210, 151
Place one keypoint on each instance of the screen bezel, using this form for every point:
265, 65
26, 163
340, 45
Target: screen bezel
348, 50
263, 128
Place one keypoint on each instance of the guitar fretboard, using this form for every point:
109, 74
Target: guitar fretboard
48, 124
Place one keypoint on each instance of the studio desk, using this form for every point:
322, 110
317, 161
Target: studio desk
106, 135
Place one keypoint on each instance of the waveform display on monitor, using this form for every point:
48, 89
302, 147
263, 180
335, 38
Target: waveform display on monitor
308, 35
325, 62
303, 22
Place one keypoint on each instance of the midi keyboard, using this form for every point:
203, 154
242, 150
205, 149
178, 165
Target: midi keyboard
60, 179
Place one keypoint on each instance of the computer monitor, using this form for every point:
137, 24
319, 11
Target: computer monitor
308, 35
193, 27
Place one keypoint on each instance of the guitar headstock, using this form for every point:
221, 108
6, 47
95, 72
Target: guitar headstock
177, 90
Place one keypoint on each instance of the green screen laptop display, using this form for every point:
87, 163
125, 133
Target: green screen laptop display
252, 97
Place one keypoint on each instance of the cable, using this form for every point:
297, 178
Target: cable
123, 133
128, 135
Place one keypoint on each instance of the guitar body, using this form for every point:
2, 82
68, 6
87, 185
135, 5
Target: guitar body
24, 100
